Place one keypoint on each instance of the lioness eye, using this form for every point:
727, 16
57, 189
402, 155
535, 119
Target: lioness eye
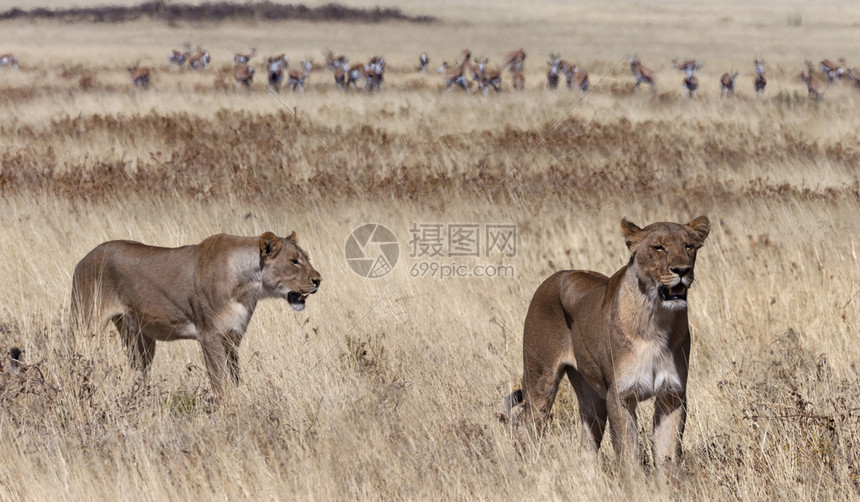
658, 248
689, 246
295, 262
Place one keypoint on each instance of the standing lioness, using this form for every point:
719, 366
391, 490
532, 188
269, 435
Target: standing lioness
206, 292
619, 339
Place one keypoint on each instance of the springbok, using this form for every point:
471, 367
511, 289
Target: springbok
577, 76
691, 82
9, 60
243, 75
332, 61
178, 57
642, 74
688, 65
374, 72
515, 60
139, 76
488, 78
354, 73
552, 73
456, 76
243, 59
275, 67
296, 78
727, 84
760, 79
813, 86
423, 61
831, 70
200, 60
854, 74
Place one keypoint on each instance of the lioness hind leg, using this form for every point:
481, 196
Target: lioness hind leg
139, 347
540, 386
592, 411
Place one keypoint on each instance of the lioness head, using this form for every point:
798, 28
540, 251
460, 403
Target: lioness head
287, 271
663, 256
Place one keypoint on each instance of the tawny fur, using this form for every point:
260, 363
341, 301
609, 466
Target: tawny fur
205, 292
620, 340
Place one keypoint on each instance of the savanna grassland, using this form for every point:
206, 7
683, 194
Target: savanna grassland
389, 388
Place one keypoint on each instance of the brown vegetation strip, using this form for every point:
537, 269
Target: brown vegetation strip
216, 11
246, 155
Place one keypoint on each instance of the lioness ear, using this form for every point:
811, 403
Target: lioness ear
292, 236
270, 245
700, 228
631, 233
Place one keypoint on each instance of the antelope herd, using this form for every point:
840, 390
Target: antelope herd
467, 72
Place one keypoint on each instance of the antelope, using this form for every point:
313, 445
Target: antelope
552, 73
200, 60
456, 76
355, 72
242, 59
465, 56
488, 78
760, 79
332, 61
9, 60
832, 70
691, 82
442, 67
374, 72
296, 79
811, 80
854, 75
243, 75
515, 61
423, 61
577, 76
642, 74
688, 65
139, 76
727, 84
275, 67
178, 57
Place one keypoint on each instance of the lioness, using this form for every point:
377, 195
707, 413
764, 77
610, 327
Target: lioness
619, 339
206, 292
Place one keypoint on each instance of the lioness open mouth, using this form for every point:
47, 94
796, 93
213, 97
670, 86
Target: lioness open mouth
677, 292
297, 300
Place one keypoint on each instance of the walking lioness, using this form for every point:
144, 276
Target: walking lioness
619, 339
206, 292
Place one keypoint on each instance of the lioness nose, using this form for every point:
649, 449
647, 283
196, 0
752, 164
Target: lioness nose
316, 282
681, 271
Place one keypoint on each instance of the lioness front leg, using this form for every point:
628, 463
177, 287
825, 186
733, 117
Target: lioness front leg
231, 347
623, 427
592, 411
215, 356
670, 415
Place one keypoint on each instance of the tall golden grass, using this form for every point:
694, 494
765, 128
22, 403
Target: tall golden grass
388, 388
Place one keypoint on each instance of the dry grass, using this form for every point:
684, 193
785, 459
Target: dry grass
388, 388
